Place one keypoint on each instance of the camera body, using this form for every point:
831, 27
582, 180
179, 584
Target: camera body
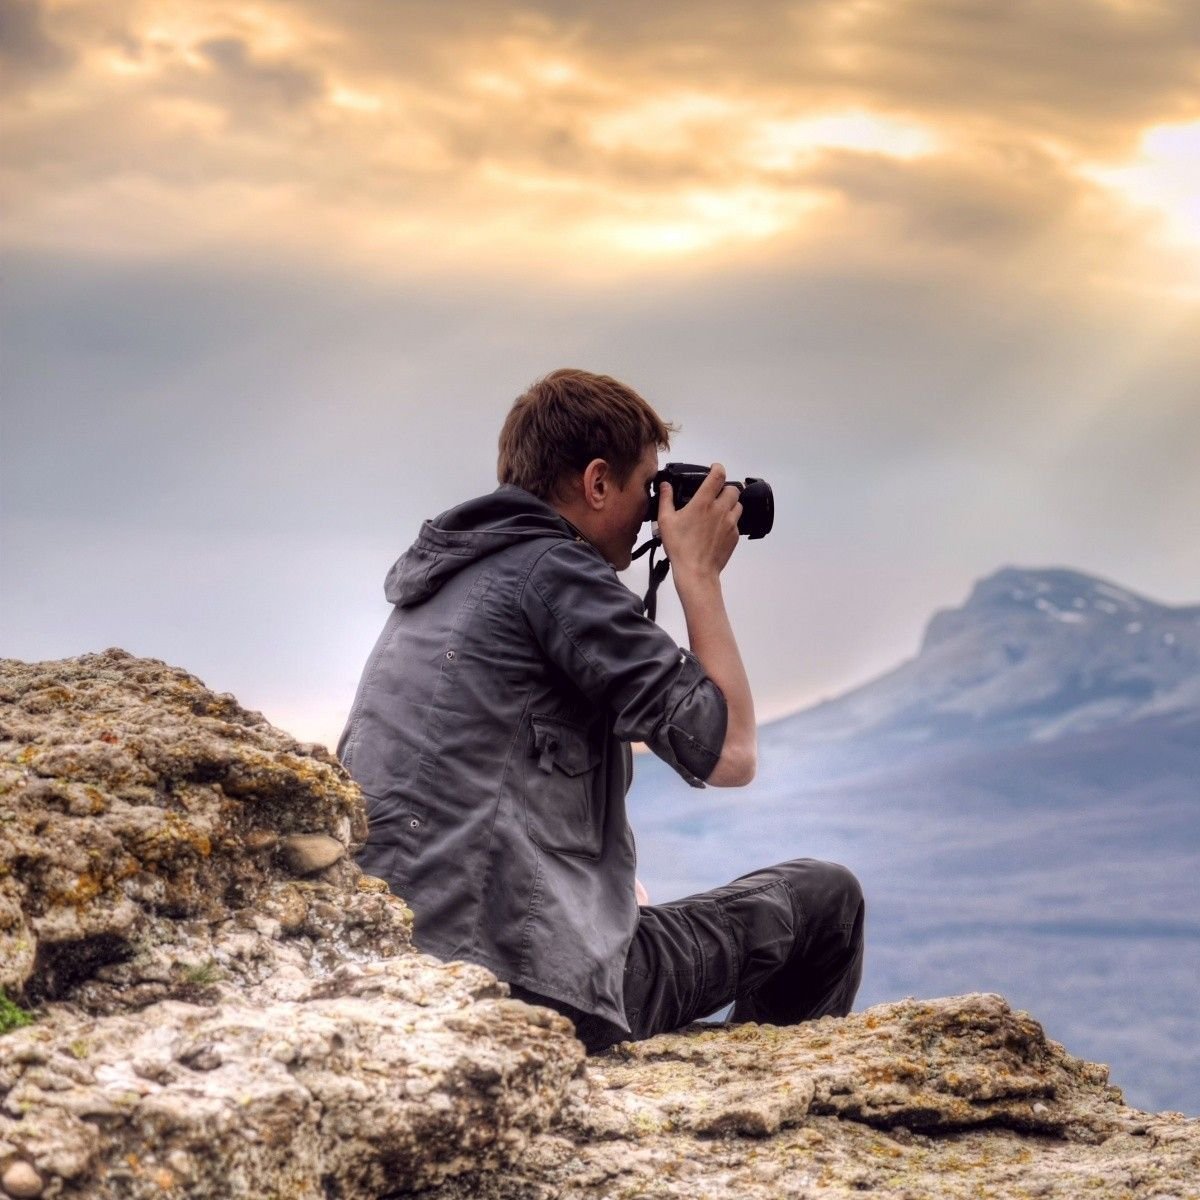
758, 501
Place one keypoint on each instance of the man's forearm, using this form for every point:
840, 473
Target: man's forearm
710, 636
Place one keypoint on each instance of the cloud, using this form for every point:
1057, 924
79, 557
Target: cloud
253, 81
27, 52
1086, 72
1090, 72
432, 135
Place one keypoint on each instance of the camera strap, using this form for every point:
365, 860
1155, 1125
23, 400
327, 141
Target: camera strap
658, 572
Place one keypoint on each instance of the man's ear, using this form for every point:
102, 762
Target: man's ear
596, 482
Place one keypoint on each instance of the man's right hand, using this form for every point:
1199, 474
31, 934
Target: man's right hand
700, 537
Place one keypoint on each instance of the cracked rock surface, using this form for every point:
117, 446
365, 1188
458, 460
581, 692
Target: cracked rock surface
958, 1097
225, 1007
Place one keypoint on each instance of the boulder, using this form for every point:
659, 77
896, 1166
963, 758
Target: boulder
208, 1024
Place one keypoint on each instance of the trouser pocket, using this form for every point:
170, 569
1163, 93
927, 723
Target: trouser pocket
691, 957
761, 927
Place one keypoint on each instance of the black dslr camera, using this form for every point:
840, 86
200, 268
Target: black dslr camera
758, 501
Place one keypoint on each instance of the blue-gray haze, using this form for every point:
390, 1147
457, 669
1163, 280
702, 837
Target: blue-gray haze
1022, 804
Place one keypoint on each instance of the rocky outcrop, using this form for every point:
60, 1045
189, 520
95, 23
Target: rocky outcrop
958, 1097
226, 1007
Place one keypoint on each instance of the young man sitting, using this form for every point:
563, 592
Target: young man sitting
490, 735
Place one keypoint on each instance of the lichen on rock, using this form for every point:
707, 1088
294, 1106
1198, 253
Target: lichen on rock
226, 1007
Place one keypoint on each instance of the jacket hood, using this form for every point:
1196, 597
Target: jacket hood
464, 534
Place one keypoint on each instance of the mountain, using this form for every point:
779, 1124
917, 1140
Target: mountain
1033, 656
1021, 802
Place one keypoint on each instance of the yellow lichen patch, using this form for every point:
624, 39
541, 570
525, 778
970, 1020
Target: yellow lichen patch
896, 1069
196, 838
45, 699
168, 838
85, 888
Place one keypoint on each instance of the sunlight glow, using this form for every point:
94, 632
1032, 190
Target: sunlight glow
357, 101
702, 220
119, 64
1165, 176
523, 70
554, 72
666, 123
780, 144
494, 83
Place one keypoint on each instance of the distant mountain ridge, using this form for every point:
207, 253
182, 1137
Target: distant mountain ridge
1033, 655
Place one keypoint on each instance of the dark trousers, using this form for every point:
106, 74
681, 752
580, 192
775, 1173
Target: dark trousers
782, 944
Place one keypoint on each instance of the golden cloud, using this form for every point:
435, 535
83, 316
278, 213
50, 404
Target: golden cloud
408, 135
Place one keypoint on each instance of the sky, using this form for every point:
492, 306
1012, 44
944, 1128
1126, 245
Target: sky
271, 275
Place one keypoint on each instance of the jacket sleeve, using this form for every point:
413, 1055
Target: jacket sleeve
591, 626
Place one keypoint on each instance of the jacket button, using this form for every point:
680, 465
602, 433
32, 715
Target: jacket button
449, 653
414, 824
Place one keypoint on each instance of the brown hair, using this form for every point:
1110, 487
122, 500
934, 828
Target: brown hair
566, 419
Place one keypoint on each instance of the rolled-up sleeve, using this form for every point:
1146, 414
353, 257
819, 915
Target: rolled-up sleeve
592, 628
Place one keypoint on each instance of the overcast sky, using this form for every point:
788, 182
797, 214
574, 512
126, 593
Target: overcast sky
273, 273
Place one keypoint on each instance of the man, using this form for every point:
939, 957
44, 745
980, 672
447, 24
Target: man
491, 729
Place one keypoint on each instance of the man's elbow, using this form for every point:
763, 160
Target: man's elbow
735, 768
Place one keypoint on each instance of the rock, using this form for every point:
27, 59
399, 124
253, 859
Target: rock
207, 1024
381, 1077
261, 839
307, 853
228, 1008
925, 1065
21, 1181
125, 787
289, 907
956, 1098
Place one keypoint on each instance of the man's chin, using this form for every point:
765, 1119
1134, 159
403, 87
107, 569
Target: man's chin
623, 560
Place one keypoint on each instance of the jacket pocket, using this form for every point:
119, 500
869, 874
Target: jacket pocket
564, 803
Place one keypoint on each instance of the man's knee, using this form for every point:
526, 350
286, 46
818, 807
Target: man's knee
826, 892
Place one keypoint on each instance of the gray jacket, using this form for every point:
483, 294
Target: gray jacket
490, 735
